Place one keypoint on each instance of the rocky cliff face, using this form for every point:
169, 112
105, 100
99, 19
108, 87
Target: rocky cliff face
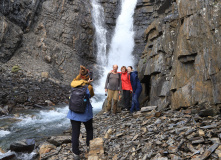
145, 13
47, 36
180, 65
42, 42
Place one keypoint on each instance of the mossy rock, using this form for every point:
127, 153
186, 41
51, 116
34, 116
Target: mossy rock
15, 69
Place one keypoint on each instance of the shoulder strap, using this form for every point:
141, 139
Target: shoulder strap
85, 92
108, 76
85, 86
119, 78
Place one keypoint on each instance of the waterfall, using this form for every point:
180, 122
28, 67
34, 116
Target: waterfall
121, 47
101, 43
122, 43
100, 32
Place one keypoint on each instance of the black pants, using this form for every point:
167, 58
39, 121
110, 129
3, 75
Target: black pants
76, 125
126, 94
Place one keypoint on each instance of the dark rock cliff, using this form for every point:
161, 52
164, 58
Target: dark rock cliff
180, 65
47, 36
46, 40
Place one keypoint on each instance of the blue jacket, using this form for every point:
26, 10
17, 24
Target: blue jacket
135, 82
82, 117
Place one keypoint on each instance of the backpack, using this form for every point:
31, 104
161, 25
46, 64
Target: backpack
78, 101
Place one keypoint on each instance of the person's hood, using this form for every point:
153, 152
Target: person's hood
134, 72
77, 83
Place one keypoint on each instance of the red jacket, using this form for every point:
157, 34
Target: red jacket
125, 81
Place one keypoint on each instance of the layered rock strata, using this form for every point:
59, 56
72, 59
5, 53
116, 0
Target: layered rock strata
180, 65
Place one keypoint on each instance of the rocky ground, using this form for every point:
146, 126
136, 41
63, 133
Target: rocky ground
147, 134
17, 89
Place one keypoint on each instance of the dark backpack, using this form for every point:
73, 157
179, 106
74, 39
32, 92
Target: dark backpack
78, 101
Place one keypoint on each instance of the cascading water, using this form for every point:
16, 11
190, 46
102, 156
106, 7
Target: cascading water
100, 36
100, 32
122, 43
32, 124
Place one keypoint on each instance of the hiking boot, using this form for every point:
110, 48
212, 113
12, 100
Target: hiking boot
76, 157
125, 109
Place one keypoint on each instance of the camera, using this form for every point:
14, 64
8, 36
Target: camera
91, 75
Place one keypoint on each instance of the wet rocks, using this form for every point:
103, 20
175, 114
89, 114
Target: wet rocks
8, 156
27, 145
5, 110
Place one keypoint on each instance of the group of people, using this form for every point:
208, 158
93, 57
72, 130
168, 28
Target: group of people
126, 81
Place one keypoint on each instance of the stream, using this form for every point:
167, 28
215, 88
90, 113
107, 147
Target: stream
38, 124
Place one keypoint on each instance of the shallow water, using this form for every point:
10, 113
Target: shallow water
38, 124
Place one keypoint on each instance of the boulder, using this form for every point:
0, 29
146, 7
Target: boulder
148, 108
45, 148
8, 156
207, 112
59, 140
1, 150
44, 74
108, 133
96, 149
26, 145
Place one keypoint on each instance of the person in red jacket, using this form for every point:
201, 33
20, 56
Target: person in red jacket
126, 87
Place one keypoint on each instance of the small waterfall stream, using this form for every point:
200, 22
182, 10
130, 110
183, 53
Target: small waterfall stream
35, 123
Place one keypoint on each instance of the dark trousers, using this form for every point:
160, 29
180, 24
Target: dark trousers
135, 101
126, 94
76, 125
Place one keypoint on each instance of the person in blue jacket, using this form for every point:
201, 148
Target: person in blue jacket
77, 118
137, 89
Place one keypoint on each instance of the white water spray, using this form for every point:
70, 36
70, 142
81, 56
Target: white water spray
122, 43
100, 32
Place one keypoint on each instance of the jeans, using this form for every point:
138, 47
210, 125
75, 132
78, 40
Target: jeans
76, 125
135, 102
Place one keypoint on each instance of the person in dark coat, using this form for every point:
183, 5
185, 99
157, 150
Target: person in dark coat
137, 89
